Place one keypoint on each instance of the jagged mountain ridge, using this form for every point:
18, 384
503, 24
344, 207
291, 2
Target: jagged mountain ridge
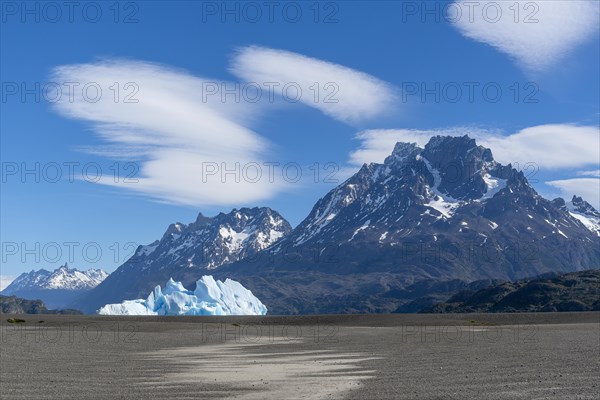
186, 252
64, 278
56, 288
446, 211
582, 211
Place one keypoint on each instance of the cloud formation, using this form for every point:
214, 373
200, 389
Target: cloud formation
162, 118
5, 281
587, 188
595, 173
551, 146
342, 93
535, 34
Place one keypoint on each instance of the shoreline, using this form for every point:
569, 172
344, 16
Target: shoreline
372, 320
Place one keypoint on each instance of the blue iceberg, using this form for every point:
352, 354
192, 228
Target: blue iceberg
210, 298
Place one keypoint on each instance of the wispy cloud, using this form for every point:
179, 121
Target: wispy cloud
588, 188
5, 281
343, 93
165, 120
536, 34
548, 146
595, 173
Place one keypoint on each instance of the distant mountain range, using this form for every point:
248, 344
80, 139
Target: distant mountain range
575, 291
55, 288
428, 221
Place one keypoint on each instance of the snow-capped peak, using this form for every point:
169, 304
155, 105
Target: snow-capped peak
444, 175
63, 278
585, 213
210, 242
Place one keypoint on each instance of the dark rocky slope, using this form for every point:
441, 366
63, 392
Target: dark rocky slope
576, 291
17, 305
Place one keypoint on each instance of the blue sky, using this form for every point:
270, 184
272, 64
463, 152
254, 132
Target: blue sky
378, 55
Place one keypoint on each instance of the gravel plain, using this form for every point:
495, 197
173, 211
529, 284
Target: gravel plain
426, 356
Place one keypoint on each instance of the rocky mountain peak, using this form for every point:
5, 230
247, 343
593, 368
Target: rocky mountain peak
174, 231
444, 149
403, 151
220, 239
581, 206
188, 251
583, 212
459, 168
201, 220
559, 203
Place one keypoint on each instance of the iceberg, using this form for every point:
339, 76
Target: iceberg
210, 298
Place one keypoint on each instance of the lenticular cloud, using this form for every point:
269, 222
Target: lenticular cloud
171, 129
210, 298
340, 92
536, 34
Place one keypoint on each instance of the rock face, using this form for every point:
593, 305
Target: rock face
17, 305
55, 288
186, 252
576, 291
444, 212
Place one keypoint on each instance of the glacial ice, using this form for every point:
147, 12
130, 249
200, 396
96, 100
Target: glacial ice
210, 298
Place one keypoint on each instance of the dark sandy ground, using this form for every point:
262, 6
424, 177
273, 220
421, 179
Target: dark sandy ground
452, 356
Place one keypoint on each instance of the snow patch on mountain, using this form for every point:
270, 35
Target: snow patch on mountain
593, 224
494, 185
149, 249
441, 202
210, 298
383, 236
363, 227
233, 239
443, 206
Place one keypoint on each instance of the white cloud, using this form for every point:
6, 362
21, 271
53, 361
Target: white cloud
173, 130
595, 173
548, 146
351, 96
587, 188
538, 35
5, 281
